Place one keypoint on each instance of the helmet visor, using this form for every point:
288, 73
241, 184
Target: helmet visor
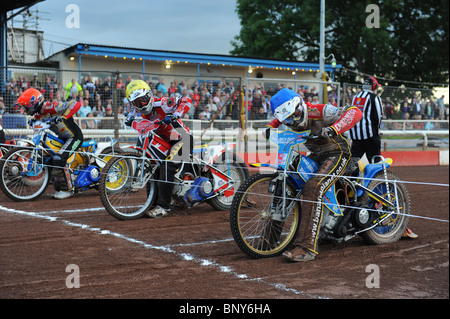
141, 102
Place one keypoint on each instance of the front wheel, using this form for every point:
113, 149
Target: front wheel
127, 187
23, 177
255, 230
393, 228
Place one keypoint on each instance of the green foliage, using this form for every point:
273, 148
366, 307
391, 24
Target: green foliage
411, 43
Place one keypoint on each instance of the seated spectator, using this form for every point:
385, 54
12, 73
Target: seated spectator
84, 109
107, 123
206, 113
90, 122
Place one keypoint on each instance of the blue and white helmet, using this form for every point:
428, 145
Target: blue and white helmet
284, 105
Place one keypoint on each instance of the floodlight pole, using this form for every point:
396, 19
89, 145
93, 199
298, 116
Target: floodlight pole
322, 88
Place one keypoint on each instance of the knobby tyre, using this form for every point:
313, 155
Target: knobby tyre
255, 233
125, 190
393, 228
18, 180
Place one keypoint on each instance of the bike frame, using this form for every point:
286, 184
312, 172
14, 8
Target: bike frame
145, 131
40, 129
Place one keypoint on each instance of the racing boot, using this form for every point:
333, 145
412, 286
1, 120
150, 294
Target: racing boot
409, 234
157, 212
299, 254
69, 190
63, 194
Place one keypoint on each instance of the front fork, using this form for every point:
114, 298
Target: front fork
279, 209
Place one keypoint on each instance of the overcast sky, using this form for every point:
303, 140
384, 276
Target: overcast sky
203, 26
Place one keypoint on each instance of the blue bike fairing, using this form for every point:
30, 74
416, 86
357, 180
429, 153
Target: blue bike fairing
370, 170
285, 141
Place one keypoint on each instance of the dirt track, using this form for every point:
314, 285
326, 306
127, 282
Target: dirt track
190, 254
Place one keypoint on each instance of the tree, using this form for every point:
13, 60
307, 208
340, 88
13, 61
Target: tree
411, 42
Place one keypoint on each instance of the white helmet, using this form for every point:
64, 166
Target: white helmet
140, 96
293, 112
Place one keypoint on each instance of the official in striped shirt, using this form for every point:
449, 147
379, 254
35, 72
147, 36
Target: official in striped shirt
365, 135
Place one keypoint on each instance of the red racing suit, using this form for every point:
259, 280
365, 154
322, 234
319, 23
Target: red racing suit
332, 154
175, 132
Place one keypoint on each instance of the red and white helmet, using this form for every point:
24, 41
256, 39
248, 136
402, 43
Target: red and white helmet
31, 101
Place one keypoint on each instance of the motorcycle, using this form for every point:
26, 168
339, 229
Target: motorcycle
27, 169
366, 200
211, 174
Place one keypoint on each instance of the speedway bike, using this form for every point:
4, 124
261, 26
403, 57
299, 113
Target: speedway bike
369, 201
27, 170
128, 189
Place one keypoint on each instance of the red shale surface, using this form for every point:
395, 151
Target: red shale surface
190, 254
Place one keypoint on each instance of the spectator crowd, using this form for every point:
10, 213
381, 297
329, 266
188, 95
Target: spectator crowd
210, 99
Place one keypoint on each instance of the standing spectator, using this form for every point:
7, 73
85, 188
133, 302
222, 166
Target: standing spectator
172, 89
416, 108
441, 108
429, 110
35, 83
388, 109
182, 87
72, 87
161, 86
120, 87
84, 109
196, 102
405, 108
9, 98
89, 86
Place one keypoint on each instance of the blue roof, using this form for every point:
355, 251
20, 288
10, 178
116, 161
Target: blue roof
145, 54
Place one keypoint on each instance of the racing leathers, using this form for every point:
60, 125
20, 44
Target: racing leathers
172, 130
332, 152
65, 127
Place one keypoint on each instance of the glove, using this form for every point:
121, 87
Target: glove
266, 133
170, 118
129, 120
327, 132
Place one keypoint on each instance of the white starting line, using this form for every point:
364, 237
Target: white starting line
166, 248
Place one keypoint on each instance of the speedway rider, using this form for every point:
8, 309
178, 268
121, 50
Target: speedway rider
172, 129
331, 151
63, 125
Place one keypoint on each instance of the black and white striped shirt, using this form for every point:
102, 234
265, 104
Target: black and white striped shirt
371, 106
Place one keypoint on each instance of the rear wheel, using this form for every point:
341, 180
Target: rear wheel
392, 228
22, 176
126, 190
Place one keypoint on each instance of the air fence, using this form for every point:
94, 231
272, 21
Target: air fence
243, 106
